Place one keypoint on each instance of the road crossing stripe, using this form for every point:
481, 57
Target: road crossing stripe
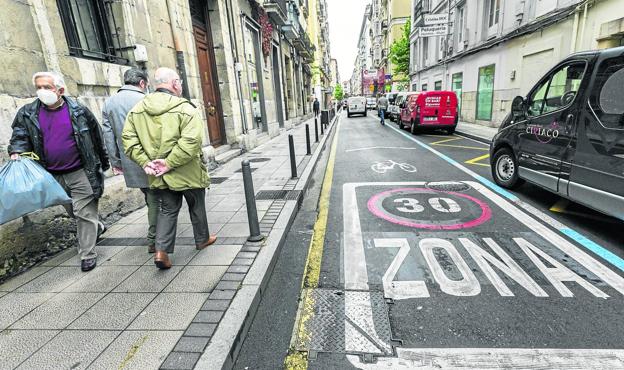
569, 232
454, 138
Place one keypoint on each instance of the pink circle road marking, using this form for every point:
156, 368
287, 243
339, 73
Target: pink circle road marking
486, 212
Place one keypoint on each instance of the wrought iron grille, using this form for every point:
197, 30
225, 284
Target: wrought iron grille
91, 29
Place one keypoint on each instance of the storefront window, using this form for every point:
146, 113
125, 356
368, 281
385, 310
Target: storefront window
485, 93
458, 81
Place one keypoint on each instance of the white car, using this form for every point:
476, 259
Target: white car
391, 98
394, 110
371, 103
356, 105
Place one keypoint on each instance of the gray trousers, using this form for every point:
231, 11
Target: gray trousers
84, 209
170, 204
153, 207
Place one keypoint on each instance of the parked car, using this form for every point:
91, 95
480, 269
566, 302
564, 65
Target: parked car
394, 112
567, 134
356, 105
429, 110
371, 103
391, 98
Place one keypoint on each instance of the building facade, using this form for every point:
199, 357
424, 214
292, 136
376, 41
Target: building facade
247, 64
360, 78
495, 50
387, 22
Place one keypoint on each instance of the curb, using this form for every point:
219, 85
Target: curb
229, 336
474, 137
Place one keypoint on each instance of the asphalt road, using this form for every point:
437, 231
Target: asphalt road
426, 263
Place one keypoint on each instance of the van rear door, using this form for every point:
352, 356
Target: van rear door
552, 112
597, 174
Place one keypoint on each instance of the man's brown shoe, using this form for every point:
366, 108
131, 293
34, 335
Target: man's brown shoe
151, 248
211, 240
161, 260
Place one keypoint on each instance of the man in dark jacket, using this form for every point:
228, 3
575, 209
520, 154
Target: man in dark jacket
316, 107
68, 140
114, 114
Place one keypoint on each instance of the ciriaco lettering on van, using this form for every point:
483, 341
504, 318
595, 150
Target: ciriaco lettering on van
544, 134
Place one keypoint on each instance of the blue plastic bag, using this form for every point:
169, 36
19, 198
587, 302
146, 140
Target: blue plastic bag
25, 187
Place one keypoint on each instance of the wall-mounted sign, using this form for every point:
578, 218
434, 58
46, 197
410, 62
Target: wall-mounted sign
431, 19
429, 31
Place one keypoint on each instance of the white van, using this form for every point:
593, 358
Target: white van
356, 105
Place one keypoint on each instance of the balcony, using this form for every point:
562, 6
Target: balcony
305, 47
292, 27
277, 10
421, 8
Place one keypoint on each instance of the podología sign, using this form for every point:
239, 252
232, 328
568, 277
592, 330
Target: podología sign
492, 262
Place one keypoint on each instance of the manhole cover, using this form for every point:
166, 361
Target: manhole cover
448, 186
254, 160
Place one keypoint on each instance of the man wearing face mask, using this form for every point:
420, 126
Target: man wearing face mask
114, 115
67, 138
163, 134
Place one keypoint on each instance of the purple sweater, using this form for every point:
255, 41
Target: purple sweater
59, 145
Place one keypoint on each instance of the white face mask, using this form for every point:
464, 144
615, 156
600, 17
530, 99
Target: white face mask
47, 97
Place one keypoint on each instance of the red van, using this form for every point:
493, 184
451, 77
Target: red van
429, 109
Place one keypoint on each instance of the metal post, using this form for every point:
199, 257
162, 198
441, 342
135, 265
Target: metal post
308, 149
322, 127
293, 161
250, 200
315, 130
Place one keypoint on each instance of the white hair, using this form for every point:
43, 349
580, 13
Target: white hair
165, 75
59, 82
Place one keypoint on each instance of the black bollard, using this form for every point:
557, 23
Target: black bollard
315, 130
308, 149
322, 127
293, 160
250, 199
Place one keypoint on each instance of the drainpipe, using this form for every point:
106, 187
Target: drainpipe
179, 53
234, 42
584, 21
575, 29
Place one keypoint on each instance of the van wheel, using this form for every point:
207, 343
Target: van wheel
348, 115
505, 169
414, 130
451, 130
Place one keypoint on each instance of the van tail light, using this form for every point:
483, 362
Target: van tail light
418, 109
448, 101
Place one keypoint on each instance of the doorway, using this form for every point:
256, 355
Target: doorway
207, 72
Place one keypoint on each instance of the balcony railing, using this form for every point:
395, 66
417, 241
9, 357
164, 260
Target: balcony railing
277, 10
292, 27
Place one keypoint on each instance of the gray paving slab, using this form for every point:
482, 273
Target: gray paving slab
243, 261
71, 349
236, 229
208, 317
192, 344
58, 312
104, 253
213, 228
181, 255
238, 269
113, 312
229, 204
21, 279
103, 279
247, 255
216, 305
228, 285
147, 279
220, 217
14, 306
200, 330
216, 255
169, 311
129, 256
17, 345
60, 257
241, 216
180, 360
3, 294
196, 279
223, 294
53, 281
133, 230
229, 276
137, 350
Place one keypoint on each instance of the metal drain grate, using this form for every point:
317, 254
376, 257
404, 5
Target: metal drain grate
448, 186
241, 170
255, 160
271, 194
218, 180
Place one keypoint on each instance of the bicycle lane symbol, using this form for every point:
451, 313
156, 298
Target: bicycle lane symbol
384, 166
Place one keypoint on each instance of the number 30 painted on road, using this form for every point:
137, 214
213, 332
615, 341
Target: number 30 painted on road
411, 205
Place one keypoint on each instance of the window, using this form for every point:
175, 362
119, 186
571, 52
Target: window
457, 87
493, 12
424, 87
460, 25
91, 29
485, 93
425, 43
557, 91
438, 85
606, 96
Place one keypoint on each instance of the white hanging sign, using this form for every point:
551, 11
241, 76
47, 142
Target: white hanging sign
432, 19
430, 31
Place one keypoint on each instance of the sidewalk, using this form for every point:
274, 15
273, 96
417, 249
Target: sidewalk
127, 314
477, 132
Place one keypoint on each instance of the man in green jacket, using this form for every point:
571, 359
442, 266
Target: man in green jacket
163, 134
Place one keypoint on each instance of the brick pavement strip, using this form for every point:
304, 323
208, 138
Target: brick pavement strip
166, 318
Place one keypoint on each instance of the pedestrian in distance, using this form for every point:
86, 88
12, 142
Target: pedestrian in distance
114, 113
316, 107
67, 138
382, 106
163, 134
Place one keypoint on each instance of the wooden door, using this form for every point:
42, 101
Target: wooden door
209, 85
